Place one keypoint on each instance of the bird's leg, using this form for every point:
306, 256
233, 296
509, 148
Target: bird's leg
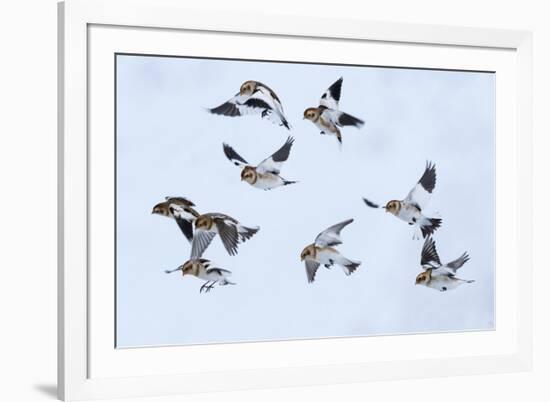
210, 287
204, 286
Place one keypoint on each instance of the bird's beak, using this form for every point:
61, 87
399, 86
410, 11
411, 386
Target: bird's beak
304, 118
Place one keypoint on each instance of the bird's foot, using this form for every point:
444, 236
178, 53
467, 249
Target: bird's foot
328, 266
203, 287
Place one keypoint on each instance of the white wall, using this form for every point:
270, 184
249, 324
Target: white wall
28, 202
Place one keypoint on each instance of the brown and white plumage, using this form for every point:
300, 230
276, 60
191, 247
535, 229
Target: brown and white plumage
327, 116
322, 251
231, 232
206, 270
436, 275
411, 208
266, 175
181, 210
254, 97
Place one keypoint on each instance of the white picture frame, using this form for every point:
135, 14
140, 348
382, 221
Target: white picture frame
90, 367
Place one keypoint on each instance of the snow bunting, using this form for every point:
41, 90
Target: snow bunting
181, 210
266, 175
327, 117
204, 269
231, 232
410, 209
254, 98
322, 251
436, 275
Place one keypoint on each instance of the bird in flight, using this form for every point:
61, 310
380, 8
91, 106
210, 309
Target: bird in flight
322, 251
327, 116
266, 175
254, 98
231, 232
436, 275
411, 208
206, 270
181, 210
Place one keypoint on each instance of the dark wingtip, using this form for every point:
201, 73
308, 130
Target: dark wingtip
370, 203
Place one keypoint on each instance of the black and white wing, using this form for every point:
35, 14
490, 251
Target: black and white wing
182, 219
311, 269
458, 263
422, 191
228, 234
278, 116
274, 163
229, 108
179, 201
342, 119
241, 105
331, 97
233, 156
331, 236
429, 258
201, 241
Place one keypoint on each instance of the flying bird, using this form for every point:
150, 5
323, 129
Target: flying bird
254, 98
327, 116
181, 210
436, 275
266, 175
322, 251
206, 270
231, 232
410, 209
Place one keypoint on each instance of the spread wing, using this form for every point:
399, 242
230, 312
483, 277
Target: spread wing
229, 235
201, 241
274, 163
342, 119
459, 262
422, 191
270, 94
331, 97
186, 227
233, 156
241, 105
331, 236
179, 201
429, 258
311, 270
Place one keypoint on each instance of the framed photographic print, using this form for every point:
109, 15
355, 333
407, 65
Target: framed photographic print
280, 201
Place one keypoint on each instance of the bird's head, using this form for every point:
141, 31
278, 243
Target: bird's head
187, 267
203, 222
308, 253
312, 114
423, 278
248, 88
393, 207
161, 209
249, 174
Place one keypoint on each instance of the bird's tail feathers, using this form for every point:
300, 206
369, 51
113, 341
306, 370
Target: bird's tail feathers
287, 182
349, 266
246, 233
429, 225
225, 281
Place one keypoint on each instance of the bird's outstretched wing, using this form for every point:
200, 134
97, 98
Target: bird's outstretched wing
311, 269
179, 201
429, 257
331, 236
229, 235
233, 156
342, 119
459, 262
421, 193
201, 241
331, 97
274, 163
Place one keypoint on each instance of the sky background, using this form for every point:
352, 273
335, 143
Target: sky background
167, 144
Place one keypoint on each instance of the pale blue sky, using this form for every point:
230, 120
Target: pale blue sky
168, 145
